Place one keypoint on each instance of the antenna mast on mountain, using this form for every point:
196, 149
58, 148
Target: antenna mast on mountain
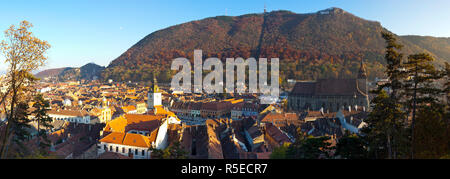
265, 8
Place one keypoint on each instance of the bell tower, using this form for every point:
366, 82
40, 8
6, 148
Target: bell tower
154, 95
362, 84
362, 74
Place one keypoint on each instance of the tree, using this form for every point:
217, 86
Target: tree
394, 70
420, 88
432, 133
21, 127
23, 53
382, 127
351, 147
174, 151
310, 148
41, 117
280, 152
304, 147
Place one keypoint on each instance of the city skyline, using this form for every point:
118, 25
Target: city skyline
81, 32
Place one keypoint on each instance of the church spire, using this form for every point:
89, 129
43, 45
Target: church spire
362, 71
155, 87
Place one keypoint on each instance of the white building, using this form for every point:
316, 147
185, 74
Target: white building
80, 116
133, 135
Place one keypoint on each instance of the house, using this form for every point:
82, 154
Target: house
244, 109
72, 116
215, 109
275, 136
281, 119
141, 107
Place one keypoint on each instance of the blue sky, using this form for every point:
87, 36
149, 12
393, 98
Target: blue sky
83, 31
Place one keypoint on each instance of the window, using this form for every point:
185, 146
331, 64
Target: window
123, 149
104, 147
143, 153
136, 152
117, 149
129, 151
110, 148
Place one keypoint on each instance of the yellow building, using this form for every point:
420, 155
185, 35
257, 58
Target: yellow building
141, 107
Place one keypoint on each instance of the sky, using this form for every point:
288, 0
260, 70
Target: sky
84, 31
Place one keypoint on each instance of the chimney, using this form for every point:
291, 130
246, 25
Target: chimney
349, 109
356, 107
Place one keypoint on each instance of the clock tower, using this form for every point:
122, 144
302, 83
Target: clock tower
154, 95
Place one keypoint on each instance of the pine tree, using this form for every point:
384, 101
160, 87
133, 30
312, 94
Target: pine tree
395, 73
43, 120
379, 131
420, 86
432, 139
20, 127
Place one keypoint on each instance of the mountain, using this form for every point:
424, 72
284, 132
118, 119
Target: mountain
439, 46
90, 71
326, 44
49, 73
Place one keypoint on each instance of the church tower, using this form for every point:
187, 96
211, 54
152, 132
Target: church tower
362, 83
154, 95
362, 71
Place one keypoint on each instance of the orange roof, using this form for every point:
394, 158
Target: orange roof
153, 135
161, 111
129, 108
234, 101
114, 137
130, 139
131, 97
144, 121
286, 116
137, 140
116, 125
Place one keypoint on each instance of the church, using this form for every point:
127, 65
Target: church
331, 95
